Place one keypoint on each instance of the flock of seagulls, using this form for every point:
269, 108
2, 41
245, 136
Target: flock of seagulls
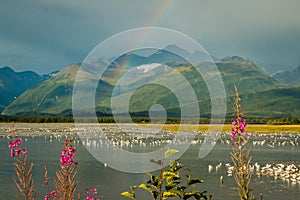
286, 172
289, 172
131, 137
115, 136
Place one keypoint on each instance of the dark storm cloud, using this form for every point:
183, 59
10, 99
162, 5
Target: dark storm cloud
45, 35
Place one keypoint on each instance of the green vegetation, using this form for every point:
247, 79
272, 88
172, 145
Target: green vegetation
284, 121
274, 103
138, 119
175, 182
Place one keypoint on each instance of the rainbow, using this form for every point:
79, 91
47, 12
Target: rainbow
158, 13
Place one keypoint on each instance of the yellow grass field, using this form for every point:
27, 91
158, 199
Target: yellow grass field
227, 127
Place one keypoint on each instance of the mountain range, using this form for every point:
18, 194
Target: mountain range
291, 78
13, 84
262, 95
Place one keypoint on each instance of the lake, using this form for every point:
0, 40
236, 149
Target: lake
45, 141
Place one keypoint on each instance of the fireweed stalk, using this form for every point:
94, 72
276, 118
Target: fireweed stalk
65, 182
51, 194
240, 156
23, 169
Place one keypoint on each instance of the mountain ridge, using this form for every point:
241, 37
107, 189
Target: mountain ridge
289, 77
54, 96
13, 84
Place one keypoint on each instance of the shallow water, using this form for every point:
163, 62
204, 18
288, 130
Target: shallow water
45, 147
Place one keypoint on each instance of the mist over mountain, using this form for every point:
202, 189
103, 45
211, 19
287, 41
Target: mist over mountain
291, 78
273, 68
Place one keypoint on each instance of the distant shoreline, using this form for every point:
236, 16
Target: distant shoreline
251, 128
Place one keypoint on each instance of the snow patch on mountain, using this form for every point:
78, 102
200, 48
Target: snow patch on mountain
148, 67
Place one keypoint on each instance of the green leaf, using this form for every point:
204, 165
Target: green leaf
155, 178
155, 194
176, 168
181, 188
150, 176
128, 194
169, 180
170, 152
195, 180
172, 193
193, 193
145, 187
171, 185
170, 174
133, 187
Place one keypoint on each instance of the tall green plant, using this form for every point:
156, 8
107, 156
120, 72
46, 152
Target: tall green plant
170, 183
240, 156
23, 168
65, 182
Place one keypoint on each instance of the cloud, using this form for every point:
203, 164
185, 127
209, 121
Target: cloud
49, 34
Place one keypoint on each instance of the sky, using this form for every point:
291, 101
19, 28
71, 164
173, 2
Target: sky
48, 35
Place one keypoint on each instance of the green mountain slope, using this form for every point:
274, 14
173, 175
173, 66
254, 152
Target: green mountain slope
53, 96
289, 77
280, 102
245, 75
12, 84
260, 92
50, 97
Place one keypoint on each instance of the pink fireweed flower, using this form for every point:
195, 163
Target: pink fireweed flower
24, 151
238, 128
91, 198
19, 141
53, 193
17, 152
90, 194
239, 119
63, 152
11, 144
242, 126
46, 197
85, 191
12, 153
94, 191
68, 154
233, 124
74, 149
61, 159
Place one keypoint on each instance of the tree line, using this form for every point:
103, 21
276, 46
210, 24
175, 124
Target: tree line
138, 119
